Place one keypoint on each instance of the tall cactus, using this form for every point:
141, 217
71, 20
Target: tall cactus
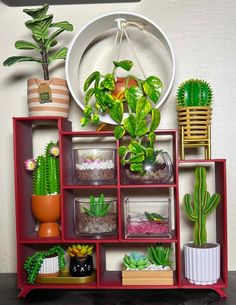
46, 177
194, 92
203, 204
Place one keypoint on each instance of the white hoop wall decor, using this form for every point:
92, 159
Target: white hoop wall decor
90, 31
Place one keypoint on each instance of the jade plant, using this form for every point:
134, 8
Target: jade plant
33, 263
135, 260
160, 256
46, 178
44, 39
200, 206
194, 92
98, 207
114, 95
80, 250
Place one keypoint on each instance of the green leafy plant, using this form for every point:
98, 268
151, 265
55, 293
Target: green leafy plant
194, 92
200, 206
33, 263
46, 177
159, 255
135, 260
154, 217
43, 39
98, 206
112, 96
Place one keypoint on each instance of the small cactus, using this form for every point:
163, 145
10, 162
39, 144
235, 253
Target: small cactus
80, 250
135, 260
160, 256
194, 92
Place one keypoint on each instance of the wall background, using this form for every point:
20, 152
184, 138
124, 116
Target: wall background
202, 34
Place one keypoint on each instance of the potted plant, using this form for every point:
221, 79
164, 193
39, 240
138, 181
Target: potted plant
81, 261
113, 95
151, 269
95, 216
194, 99
45, 263
200, 255
46, 190
49, 96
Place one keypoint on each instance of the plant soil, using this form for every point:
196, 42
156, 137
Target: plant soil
97, 175
92, 225
206, 246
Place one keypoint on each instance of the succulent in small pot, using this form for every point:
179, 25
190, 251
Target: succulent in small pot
81, 260
95, 216
48, 95
135, 261
160, 256
205, 257
46, 190
45, 263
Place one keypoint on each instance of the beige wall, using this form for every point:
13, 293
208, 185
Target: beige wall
203, 37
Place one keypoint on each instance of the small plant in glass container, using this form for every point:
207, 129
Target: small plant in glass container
95, 216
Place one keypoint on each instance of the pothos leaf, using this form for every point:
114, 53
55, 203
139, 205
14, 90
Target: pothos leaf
136, 167
122, 151
156, 118
119, 131
117, 111
151, 137
137, 158
124, 64
132, 95
108, 82
141, 128
143, 108
88, 95
135, 147
130, 124
153, 88
95, 76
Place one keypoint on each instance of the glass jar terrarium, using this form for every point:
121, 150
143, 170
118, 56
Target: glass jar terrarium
95, 218
147, 218
95, 166
158, 172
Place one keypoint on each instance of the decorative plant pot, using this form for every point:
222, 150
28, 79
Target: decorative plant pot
49, 267
46, 209
158, 172
194, 128
81, 266
95, 166
89, 225
202, 265
48, 98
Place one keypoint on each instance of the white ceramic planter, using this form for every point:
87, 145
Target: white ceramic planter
202, 265
49, 266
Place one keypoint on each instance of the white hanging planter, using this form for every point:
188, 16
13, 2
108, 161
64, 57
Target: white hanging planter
49, 267
202, 265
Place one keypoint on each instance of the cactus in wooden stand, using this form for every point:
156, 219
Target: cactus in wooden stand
201, 206
46, 178
194, 92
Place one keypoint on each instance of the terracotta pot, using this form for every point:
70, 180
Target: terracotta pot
46, 209
48, 98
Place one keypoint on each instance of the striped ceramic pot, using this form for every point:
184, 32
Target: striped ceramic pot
48, 98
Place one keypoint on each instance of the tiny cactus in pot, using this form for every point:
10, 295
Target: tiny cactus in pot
135, 260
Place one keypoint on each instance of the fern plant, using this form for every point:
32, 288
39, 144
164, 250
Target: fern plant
194, 92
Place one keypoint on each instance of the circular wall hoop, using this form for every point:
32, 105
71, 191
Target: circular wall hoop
90, 31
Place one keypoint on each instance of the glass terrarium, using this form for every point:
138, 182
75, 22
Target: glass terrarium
146, 218
95, 216
160, 171
95, 166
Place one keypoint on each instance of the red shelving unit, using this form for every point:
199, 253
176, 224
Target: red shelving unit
28, 242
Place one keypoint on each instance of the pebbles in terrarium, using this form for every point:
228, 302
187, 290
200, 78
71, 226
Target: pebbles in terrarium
95, 166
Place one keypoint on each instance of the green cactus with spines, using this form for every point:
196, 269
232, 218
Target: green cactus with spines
194, 92
135, 260
159, 255
201, 206
46, 177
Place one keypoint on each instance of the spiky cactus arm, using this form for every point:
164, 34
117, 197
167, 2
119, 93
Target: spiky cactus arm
203, 204
52, 170
194, 92
39, 177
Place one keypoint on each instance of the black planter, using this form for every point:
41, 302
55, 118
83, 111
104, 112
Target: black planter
81, 266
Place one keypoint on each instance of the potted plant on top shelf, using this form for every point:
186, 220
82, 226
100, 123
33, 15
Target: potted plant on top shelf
49, 96
194, 99
112, 95
200, 255
46, 190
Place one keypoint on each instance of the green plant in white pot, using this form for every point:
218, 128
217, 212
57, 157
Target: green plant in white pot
200, 255
48, 96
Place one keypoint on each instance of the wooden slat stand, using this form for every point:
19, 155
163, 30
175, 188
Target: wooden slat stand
147, 277
194, 129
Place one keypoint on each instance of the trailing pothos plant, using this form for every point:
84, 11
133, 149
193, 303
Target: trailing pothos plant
111, 95
44, 39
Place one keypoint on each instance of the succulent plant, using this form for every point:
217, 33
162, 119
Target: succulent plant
43, 39
159, 255
80, 250
154, 217
200, 206
135, 260
33, 263
194, 92
46, 178
98, 206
